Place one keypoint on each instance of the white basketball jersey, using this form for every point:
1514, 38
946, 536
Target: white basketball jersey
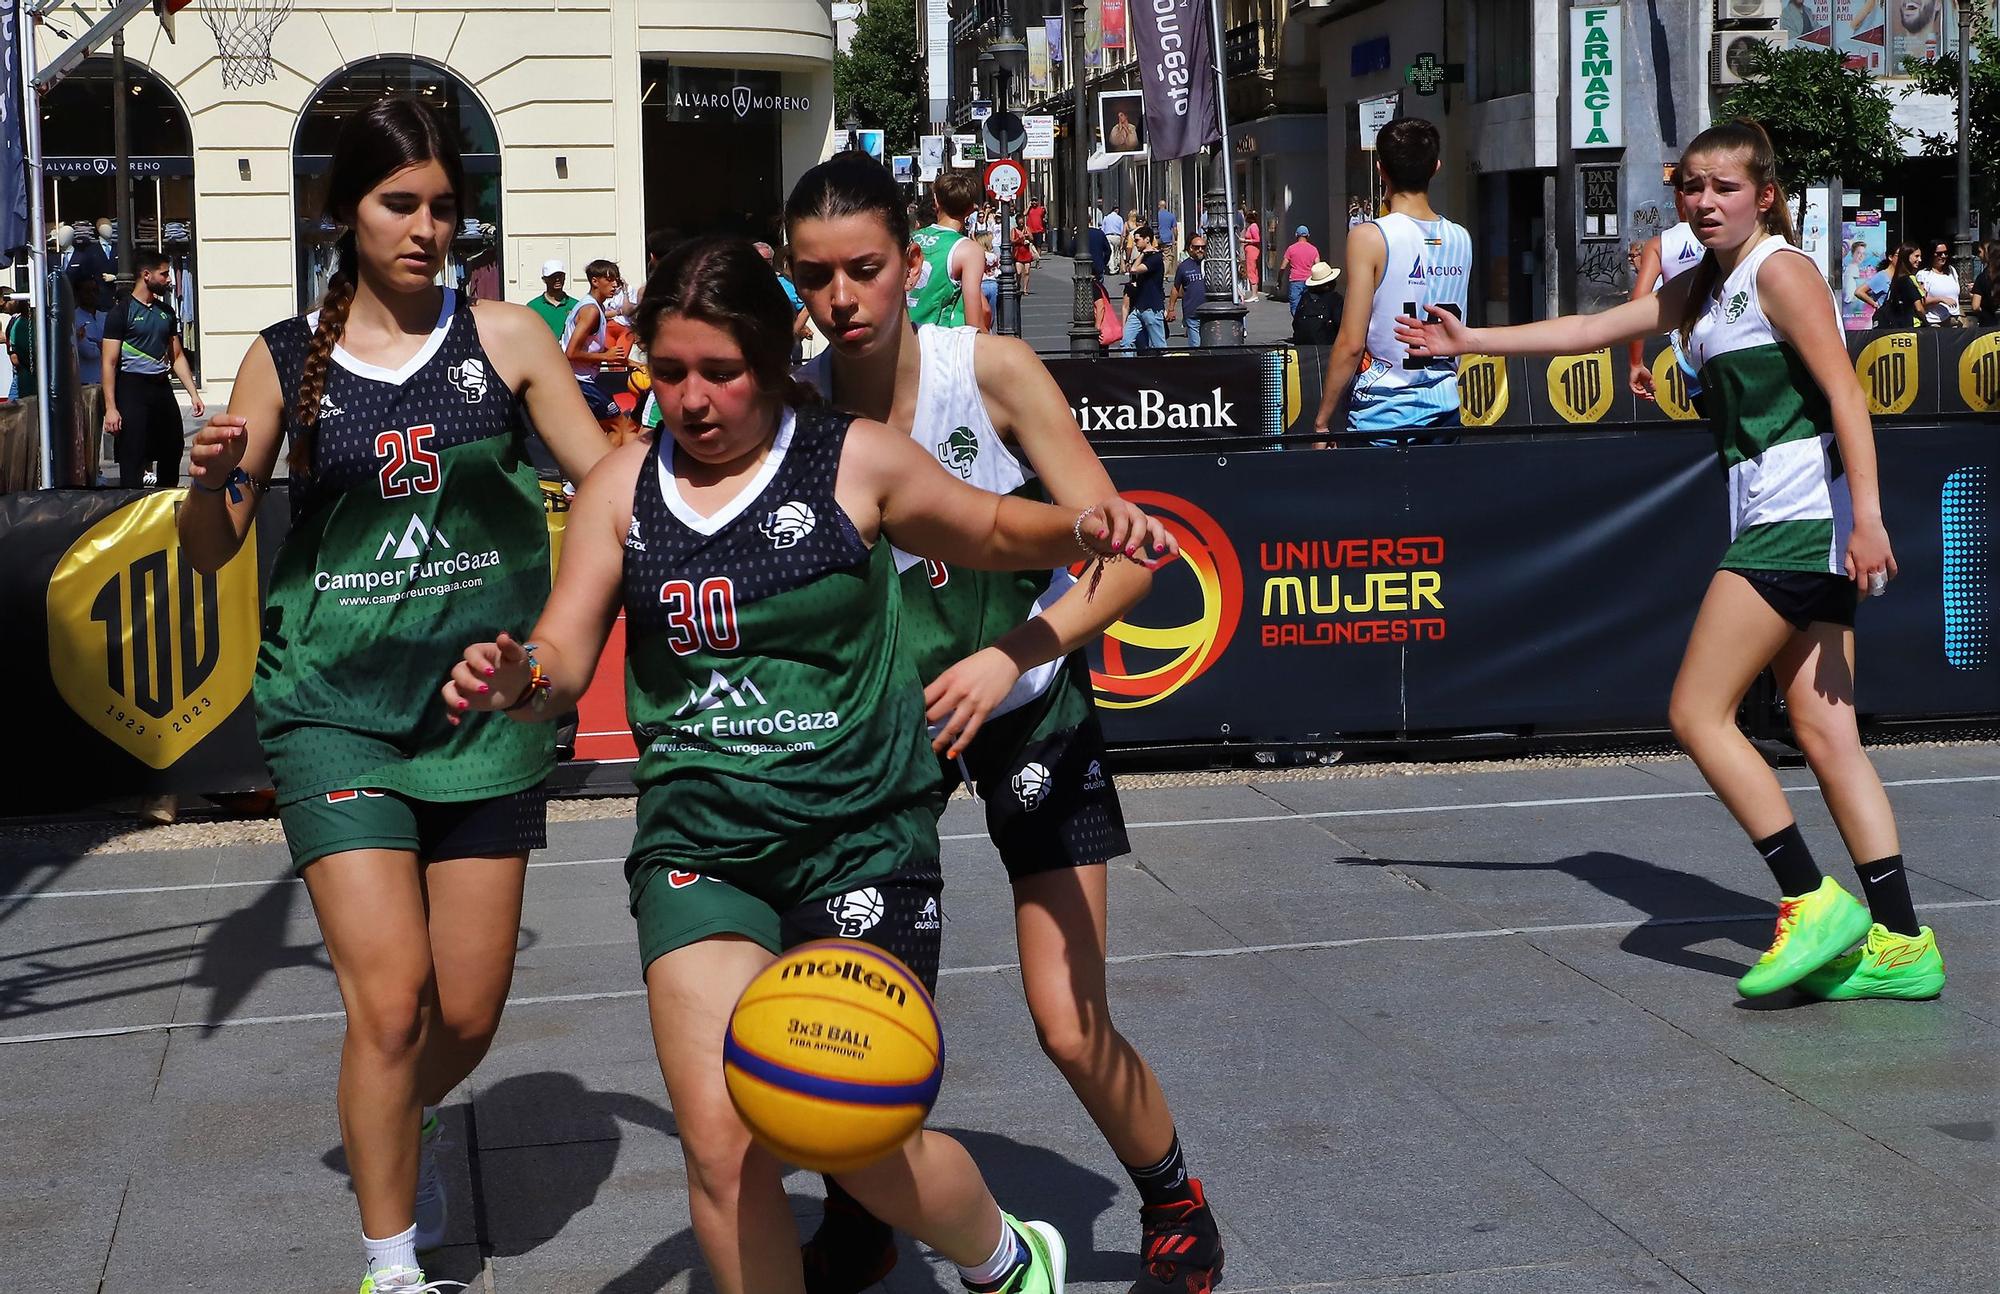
1428, 264
1680, 251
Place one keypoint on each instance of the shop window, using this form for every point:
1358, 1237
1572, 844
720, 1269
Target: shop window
81, 171
473, 264
1505, 43
725, 126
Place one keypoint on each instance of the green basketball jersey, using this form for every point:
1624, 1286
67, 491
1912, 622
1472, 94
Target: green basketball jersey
938, 298
419, 531
774, 707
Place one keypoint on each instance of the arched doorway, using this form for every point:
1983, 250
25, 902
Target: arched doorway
81, 170
474, 262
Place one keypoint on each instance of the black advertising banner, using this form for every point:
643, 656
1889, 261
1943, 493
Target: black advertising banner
1176, 68
132, 670
1172, 396
1897, 370
1382, 591
1968, 368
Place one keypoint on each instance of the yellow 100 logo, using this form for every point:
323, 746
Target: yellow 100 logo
145, 649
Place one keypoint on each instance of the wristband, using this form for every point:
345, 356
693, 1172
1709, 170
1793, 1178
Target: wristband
539, 683
1077, 530
233, 485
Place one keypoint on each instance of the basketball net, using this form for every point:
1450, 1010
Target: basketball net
243, 31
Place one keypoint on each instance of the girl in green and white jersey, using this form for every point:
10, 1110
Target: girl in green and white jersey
1806, 540
416, 521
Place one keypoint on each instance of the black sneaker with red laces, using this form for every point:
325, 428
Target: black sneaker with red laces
850, 1252
1180, 1247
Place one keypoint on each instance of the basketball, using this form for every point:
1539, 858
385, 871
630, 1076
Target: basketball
833, 1055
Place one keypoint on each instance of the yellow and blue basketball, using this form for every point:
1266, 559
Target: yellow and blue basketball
833, 1055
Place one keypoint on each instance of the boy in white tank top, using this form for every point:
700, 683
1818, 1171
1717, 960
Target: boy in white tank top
1406, 260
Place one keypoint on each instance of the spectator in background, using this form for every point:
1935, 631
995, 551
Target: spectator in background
1985, 308
1100, 254
1874, 291
142, 346
1113, 226
1146, 294
1253, 256
1191, 286
1904, 303
1168, 226
1300, 258
1940, 284
1037, 221
1316, 320
21, 347
554, 305
1024, 256
989, 276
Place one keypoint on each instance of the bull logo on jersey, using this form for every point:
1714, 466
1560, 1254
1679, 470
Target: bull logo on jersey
857, 912
1737, 305
1031, 786
959, 451
469, 377
788, 524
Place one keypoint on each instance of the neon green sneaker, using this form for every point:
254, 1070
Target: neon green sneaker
1813, 929
404, 1280
1887, 965
1048, 1259
433, 1211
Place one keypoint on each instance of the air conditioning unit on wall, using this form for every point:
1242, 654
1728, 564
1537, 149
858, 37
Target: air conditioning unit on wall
1749, 10
1733, 53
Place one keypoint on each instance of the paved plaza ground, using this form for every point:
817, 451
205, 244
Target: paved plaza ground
1464, 1031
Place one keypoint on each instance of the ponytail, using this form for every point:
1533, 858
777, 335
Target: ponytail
333, 309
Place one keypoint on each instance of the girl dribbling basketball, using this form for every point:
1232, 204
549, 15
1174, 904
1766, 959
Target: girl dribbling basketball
786, 791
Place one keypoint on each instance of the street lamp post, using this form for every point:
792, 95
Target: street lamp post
1010, 58
1083, 338
1963, 253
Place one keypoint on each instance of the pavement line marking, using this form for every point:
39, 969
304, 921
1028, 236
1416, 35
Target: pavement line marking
1130, 826
1124, 959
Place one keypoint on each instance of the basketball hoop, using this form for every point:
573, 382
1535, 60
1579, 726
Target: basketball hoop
243, 31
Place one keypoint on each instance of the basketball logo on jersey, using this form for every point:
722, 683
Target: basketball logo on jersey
469, 376
1031, 786
959, 451
1737, 305
788, 524
857, 912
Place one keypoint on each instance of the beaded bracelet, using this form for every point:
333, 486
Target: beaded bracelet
539, 682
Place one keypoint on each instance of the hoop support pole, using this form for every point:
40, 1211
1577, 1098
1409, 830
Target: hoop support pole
64, 63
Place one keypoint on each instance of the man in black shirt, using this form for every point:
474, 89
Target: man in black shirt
1191, 287
1146, 294
142, 344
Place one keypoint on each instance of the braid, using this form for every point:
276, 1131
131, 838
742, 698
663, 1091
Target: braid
312, 383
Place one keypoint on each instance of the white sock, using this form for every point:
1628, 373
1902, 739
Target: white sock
1008, 1255
396, 1251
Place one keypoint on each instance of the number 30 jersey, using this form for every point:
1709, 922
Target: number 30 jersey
419, 532
774, 707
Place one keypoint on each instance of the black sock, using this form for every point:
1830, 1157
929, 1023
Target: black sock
1886, 886
1791, 862
1164, 1182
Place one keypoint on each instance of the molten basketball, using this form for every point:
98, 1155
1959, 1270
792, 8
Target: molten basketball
833, 1055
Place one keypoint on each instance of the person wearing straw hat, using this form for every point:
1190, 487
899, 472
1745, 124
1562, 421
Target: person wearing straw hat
1316, 321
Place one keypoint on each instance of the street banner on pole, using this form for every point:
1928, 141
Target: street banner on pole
1038, 59
1058, 48
937, 49
1114, 24
1172, 44
1041, 145
13, 150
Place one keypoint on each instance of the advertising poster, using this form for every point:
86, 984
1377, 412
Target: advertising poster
1121, 122
1864, 242
1878, 35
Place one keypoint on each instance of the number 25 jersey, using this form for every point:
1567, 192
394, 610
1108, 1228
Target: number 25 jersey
419, 532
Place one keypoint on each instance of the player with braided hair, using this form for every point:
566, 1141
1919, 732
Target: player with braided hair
417, 524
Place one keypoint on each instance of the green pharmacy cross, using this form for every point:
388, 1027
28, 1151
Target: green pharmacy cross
1427, 74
